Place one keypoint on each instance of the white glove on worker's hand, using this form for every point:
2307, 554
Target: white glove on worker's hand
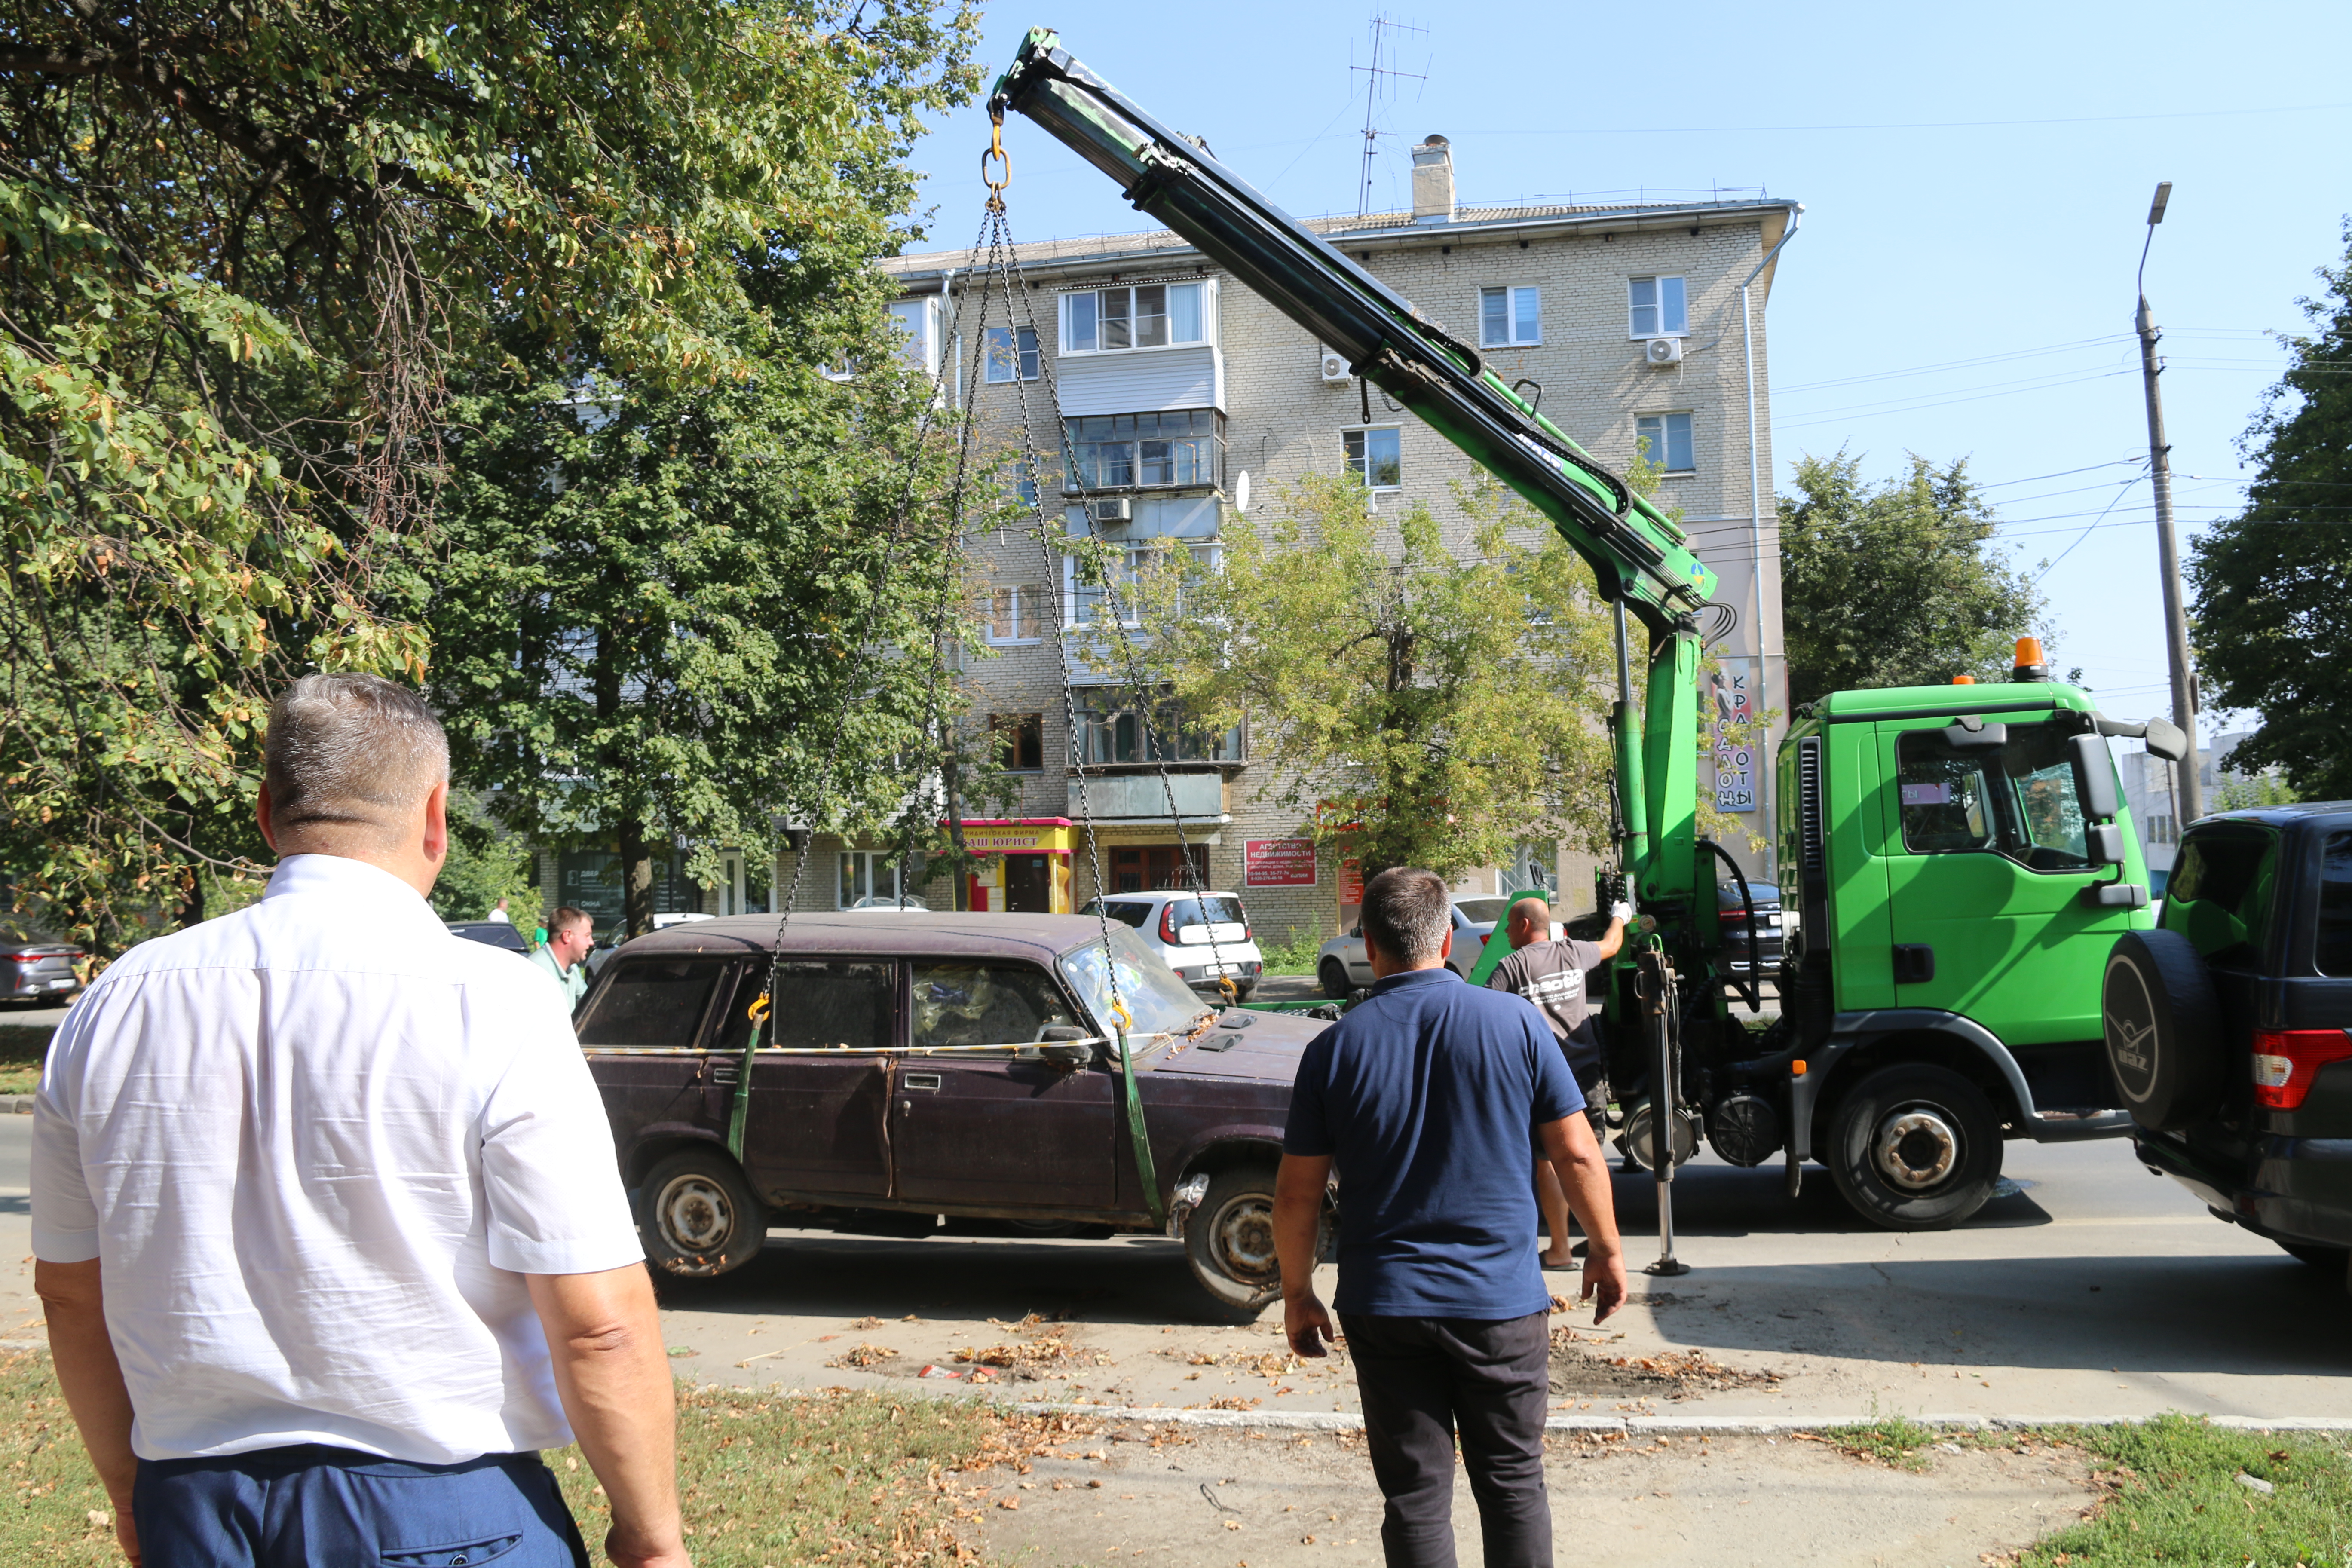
1621, 910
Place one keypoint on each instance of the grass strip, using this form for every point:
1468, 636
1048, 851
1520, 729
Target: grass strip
768, 1481
2170, 1492
1892, 1440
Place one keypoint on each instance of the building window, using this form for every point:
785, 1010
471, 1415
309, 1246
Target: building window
1020, 478
1020, 741
1376, 455
1144, 316
1508, 318
918, 321
1665, 439
1012, 353
1183, 446
1015, 613
867, 874
1658, 309
1111, 729
1155, 869
1088, 599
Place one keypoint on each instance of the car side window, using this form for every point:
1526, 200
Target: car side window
652, 1003
961, 1003
2017, 799
1125, 912
2334, 947
2220, 893
822, 1005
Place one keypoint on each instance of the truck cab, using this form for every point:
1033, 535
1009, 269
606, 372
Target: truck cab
1962, 861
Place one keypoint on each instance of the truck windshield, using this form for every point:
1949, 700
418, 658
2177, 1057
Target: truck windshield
2018, 800
1154, 997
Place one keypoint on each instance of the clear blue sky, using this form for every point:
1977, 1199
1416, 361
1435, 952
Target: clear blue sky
1975, 181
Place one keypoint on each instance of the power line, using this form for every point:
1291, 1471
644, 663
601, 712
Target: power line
1961, 363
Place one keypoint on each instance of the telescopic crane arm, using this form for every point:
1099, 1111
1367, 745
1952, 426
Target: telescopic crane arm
1640, 558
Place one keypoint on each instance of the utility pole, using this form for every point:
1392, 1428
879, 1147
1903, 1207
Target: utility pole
2188, 789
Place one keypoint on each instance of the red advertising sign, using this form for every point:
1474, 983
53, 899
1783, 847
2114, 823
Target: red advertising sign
1278, 863
1351, 882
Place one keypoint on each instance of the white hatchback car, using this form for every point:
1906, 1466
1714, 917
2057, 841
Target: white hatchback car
1204, 939
1341, 966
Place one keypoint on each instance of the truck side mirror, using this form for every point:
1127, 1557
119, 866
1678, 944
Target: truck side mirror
2167, 739
2105, 844
2095, 776
1977, 736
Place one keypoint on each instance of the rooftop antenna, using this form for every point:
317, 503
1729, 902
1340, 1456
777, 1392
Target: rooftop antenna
1384, 48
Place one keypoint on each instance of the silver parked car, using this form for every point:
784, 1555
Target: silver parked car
1341, 965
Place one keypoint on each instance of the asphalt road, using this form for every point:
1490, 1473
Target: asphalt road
2096, 1289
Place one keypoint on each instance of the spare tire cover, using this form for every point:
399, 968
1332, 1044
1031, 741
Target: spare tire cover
2163, 1026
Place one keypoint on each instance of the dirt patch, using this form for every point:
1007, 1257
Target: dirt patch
1577, 1368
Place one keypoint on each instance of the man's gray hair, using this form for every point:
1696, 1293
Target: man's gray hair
350, 752
1407, 913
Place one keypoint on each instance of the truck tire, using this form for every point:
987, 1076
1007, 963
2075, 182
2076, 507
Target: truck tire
1334, 978
698, 1217
1915, 1147
2163, 1029
1229, 1242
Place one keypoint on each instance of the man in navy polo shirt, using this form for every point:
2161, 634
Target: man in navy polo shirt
1430, 1098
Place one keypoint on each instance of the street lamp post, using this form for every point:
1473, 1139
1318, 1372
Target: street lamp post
2188, 790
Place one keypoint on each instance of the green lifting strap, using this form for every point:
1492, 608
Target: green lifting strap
1146, 1171
741, 1111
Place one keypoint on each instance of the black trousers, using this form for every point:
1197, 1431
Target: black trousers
1424, 1380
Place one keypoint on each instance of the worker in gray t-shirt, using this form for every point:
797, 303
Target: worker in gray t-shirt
1551, 973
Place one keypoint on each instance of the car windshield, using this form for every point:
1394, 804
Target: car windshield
1158, 1002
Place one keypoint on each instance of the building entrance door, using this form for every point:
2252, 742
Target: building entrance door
1028, 885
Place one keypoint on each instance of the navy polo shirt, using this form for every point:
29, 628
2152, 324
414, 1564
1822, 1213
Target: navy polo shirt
1427, 1095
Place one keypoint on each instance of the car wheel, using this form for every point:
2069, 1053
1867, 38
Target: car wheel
1913, 1147
1334, 978
2163, 1029
698, 1216
1229, 1241
2332, 1258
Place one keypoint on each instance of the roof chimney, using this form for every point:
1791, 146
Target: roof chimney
1433, 181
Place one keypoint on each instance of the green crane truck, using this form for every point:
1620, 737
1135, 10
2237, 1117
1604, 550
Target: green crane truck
1961, 855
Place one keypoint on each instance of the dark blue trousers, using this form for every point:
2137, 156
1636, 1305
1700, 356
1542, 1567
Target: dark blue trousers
335, 1508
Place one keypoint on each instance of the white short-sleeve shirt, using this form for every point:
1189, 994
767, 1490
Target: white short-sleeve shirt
315, 1146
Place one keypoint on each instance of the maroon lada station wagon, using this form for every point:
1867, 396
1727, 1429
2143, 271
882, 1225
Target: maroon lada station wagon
960, 1065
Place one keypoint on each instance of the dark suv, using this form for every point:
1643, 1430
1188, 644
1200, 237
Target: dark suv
2228, 1028
1731, 912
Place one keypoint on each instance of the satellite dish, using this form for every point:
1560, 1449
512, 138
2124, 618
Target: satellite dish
1241, 492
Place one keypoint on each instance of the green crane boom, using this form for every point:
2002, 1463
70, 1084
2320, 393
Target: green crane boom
1640, 558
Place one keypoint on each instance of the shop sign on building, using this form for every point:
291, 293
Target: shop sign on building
1278, 863
1735, 739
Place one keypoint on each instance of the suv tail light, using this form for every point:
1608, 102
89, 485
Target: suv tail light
1167, 922
2286, 1061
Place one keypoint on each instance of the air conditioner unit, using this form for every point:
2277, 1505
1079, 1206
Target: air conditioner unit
1334, 366
1663, 350
1110, 509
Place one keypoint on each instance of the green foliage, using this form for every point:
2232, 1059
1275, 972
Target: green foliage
2270, 616
1895, 1440
1294, 954
244, 247
2173, 1496
1897, 584
1417, 701
484, 866
2244, 794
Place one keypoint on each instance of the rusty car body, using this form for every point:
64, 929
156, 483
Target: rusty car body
937, 1064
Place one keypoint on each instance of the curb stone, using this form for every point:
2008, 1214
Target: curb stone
1678, 1426
15, 1104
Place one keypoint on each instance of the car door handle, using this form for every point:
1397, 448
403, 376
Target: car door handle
929, 1081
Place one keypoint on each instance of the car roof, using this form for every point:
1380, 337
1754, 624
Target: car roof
2281, 815
1166, 893
939, 932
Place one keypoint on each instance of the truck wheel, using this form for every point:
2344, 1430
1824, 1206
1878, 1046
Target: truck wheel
1913, 1147
1229, 1241
1334, 976
698, 1216
2163, 1029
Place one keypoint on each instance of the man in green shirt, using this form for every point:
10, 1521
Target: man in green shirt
570, 935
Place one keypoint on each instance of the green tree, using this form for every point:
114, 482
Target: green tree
2271, 619
1415, 702
484, 866
242, 248
1895, 584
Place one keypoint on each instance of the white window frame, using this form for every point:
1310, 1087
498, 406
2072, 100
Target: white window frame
1024, 603
1066, 346
1361, 466
1681, 290
922, 319
864, 871
1665, 438
1023, 362
1512, 293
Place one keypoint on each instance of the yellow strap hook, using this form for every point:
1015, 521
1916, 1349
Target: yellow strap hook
758, 1011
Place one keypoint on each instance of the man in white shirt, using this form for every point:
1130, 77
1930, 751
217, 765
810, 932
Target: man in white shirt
571, 935
327, 1220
